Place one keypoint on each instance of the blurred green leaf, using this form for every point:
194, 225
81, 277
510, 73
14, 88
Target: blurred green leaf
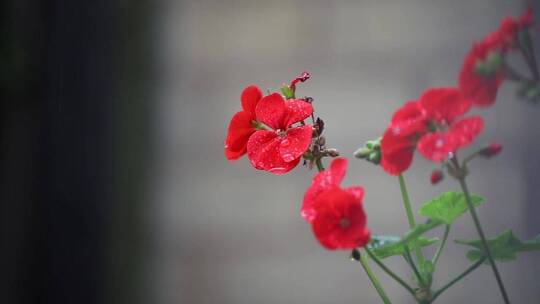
448, 206
503, 247
387, 246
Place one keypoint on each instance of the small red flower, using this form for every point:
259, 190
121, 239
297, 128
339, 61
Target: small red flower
482, 89
241, 125
280, 146
436, 176
326, 180
340, 220
430, 125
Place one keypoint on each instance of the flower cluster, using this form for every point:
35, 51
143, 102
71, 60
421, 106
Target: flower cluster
433, 125
484, 70
336, 214
271, 130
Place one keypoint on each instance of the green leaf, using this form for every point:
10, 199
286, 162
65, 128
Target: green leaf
287, 91
387, 246
503, 247
448, 206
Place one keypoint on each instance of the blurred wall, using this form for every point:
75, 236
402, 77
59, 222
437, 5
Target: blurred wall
225, 233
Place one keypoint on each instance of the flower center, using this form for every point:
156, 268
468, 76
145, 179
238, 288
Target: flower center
344, 222
281, 133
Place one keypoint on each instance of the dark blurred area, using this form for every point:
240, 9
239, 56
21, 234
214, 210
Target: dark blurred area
75, 83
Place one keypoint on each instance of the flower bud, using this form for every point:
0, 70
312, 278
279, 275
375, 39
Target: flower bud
301, 78
355, 255
491, 150
371, 151
436, 177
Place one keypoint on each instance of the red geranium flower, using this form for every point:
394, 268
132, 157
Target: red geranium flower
340, 220
327, 180
482, 89
279, 147
242, 124
431, 126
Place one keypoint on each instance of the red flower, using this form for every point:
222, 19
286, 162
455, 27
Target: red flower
280, 146
340, 221
327, 180
482, 89
241, 125
431, 126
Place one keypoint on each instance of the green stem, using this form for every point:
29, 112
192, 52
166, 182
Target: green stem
390, 272
413, 266
441, 246
480, 231
410, 215
319, 164
457, 278
374, 280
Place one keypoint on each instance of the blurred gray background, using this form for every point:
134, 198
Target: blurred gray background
221, 232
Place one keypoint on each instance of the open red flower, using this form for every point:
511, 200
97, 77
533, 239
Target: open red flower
340, 220
430, 125
241, 126
482, 89
327, 180
279, 147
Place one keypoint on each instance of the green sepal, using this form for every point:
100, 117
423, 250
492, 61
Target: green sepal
503, 247
491, 65
287, 91
448, 206
387, 246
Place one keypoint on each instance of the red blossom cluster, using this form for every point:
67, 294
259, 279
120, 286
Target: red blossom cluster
483, 70
433, 125
271, 130
336, 214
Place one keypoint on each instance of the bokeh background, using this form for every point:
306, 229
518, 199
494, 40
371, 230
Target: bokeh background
114, 184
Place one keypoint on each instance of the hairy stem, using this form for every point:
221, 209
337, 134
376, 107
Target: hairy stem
390, 272
441, 245
410, 215
457, 279
472, 210
374, 280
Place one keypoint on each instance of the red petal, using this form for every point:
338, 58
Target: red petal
250, 97
466, 130
295, 143
436, 146
263, 152
271, 110
297, 110
335, 206
240, 129
409, 119
444, 104
323, 181
397, 152
357, 191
